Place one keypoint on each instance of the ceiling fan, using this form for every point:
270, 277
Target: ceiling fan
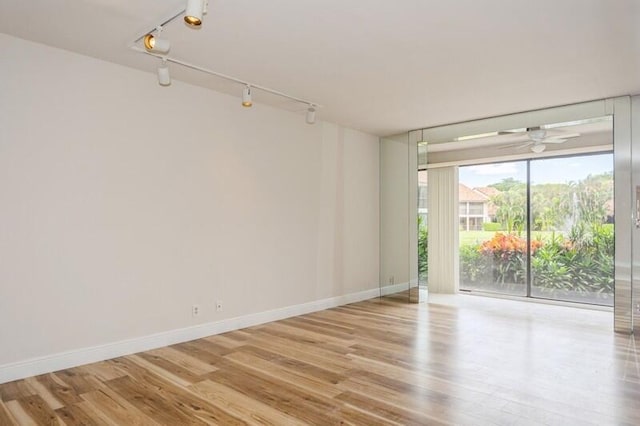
538, 138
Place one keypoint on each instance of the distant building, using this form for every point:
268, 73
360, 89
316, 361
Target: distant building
476, 207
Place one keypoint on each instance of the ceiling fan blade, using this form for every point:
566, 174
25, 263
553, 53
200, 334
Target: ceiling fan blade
558, 134
560, 138
518, 145
569, 135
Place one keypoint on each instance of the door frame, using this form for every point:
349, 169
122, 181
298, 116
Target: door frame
627, 268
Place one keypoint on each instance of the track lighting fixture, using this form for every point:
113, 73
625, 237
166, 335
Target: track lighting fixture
155, 44
164, 78
194, 11
246, 96
311, 114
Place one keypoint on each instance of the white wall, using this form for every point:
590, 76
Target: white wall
123, 203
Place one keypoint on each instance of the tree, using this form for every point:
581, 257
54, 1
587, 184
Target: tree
591, 197
551, 206
507, 184
511, 208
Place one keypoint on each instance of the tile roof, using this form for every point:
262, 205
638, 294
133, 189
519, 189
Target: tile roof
466, 194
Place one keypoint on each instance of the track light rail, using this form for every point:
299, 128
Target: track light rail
165, 57
226, 77
160, 25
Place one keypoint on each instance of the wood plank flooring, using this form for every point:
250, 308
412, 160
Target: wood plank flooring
458, 360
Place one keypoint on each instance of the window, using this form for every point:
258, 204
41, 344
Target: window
476, 208
553, 231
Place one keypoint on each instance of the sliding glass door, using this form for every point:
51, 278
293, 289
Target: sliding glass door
493, 227
572, 227
539, 228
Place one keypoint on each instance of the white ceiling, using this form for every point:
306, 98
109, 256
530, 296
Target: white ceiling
379, 66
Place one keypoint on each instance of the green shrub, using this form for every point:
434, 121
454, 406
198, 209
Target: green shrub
491, 226
549, 265
423, 250
423, 253
580, 264
474, 266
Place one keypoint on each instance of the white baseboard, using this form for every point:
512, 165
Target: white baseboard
393, 288
74, 358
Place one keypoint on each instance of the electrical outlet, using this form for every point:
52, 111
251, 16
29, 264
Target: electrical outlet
219, 305
195, 310
638, 308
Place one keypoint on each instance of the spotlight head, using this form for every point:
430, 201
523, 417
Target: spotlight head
193, 12
164, 78
155, 44
149, 41
311, 114
246, 97
193, 21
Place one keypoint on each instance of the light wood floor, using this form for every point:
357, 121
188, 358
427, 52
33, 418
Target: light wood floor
458, 360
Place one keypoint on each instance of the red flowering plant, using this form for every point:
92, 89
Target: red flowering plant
508, 252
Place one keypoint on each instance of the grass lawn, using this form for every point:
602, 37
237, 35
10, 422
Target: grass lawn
474, 237
477, 237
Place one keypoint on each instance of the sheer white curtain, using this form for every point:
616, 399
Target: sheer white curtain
443, 229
